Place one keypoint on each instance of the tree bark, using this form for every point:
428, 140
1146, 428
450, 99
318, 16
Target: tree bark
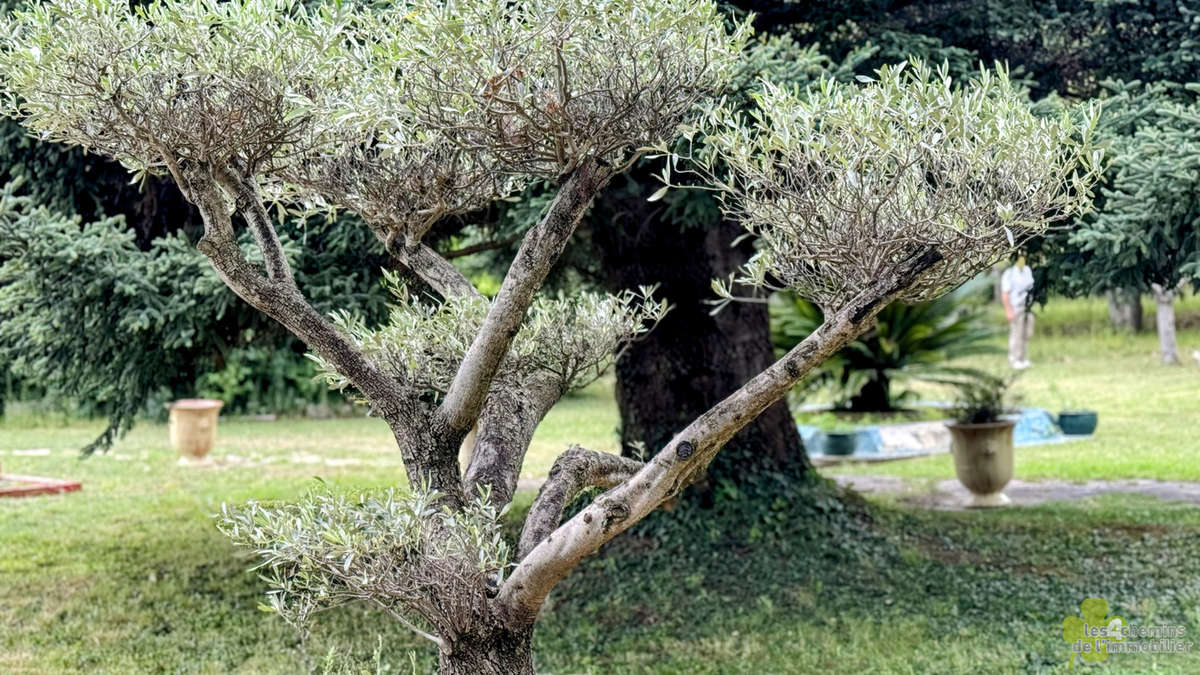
1164, 316
574, 471
540, 249
503, 434
692, 359
434, 270
1125, 309
504, 651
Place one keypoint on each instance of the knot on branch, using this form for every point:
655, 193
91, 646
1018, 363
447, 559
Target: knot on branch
614, 512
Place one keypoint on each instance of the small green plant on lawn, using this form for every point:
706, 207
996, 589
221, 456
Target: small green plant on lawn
983, 401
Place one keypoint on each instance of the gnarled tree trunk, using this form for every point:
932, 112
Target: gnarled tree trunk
693, 359
1164, 318
503, 651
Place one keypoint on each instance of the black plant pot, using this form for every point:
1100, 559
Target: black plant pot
1078, 422
840, 442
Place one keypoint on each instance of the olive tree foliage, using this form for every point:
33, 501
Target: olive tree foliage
843, 184
424, 109
566, 342
332, 549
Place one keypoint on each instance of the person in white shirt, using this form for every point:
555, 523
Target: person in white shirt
1015, 285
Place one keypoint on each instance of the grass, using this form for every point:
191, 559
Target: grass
1147, 410
267, 453
906, 592
130, 575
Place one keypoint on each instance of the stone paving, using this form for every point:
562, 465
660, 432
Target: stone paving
950, 495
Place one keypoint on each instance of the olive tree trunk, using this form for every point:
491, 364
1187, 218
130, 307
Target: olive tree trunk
1164, 316
500, 652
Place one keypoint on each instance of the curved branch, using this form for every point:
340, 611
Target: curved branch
280, 300
540, 249
573, 472
690, 451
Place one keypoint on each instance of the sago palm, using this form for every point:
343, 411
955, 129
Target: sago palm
910, 342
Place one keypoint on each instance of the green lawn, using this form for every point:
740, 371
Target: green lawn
130, 575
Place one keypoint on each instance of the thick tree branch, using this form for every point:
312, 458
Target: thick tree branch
434, 270
540, 249
690, 451
280, 300
573, 472
506, 427
248, 202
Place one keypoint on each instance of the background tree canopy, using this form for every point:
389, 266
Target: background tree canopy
88, 317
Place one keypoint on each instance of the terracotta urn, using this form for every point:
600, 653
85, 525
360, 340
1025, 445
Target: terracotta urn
983, 460
193, 426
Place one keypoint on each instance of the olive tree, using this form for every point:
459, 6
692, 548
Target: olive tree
896, 188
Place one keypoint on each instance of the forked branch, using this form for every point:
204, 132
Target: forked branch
249, 203
282, 301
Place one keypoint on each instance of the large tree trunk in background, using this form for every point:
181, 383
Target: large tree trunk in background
1125, 309
692, 359
1164, 314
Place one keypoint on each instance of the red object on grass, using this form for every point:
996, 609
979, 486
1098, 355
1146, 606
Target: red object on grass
12, 485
